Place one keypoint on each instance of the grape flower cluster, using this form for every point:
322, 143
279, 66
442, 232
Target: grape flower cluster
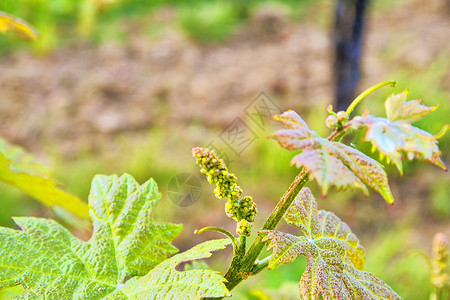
241, 209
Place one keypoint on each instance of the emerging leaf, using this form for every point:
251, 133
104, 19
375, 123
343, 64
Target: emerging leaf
395, 135
334, 255
23, 171
291, 120
330, 163
398, 109
8, 22
52, 264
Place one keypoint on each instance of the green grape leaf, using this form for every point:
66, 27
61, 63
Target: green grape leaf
10, 23
165, 282
23, 171
393, 136
330, 163
334, 255
121, 208
53, 264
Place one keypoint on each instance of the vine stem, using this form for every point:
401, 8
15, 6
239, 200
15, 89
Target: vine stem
261, 265
367, 92
245, 267
242, 246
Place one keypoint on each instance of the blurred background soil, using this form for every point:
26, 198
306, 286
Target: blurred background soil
138, 102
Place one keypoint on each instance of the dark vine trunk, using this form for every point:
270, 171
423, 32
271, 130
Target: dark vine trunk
348, 41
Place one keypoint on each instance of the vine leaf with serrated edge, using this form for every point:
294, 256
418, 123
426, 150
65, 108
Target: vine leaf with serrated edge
330, 163
395, 135
165, 282
23, 171
10, 23
334, 255
126, 243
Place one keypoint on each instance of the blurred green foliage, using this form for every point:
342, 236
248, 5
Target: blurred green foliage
67, 22
440, 198
14, 203
279, 283
210, 22
392, 257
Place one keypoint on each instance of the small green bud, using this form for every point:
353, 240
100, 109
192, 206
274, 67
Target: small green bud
247, 209
342, 116
231, 209
244, 228
331, 122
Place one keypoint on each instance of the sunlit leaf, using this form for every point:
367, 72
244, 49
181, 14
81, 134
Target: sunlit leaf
22, 170
322, 225
10, 23
335, 257
122, 208
394, 136
331, 163
291, 120
398, 109
164, 282
126, 257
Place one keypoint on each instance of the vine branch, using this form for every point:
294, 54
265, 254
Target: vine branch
240, 271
